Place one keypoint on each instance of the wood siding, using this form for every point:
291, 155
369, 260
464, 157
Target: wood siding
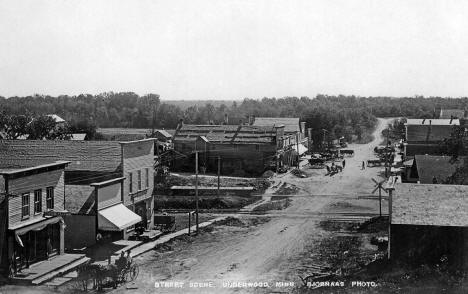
28, 184
109, 195
138, 156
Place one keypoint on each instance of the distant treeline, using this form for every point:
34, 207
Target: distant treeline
338, 115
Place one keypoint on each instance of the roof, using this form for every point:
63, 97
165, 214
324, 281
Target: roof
102, 156
241, 134
434, 122
449, 113
11, 171
441, 167
291, 124
78, 137
429, 204
164, 133
79, 199
56, 118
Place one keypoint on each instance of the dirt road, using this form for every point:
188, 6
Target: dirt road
269, 251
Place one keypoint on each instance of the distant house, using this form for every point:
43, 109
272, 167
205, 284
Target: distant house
32, 206
123, 169
242, 149
429, 222
78, 137
426, 169
423, 136
452, 113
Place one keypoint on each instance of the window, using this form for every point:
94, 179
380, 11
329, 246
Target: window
50, 198
257, 147
146, 177
25, 205
38, 201
130, 182
139, 180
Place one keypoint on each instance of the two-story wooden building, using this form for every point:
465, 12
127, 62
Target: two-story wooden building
424, 136
33, 202
240, 148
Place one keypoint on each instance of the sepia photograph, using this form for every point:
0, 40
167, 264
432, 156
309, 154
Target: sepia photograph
233, 146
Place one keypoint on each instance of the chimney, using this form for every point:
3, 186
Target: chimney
226, 119
303, 128
180, 124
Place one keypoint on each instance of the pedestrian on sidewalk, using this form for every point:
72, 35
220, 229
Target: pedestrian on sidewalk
344, 163
363, 165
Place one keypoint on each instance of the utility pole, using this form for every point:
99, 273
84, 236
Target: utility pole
387, 155
297, 146
196, 188
219, 173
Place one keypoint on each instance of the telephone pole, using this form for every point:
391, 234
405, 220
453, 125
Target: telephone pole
297, 146
196, 188
219, 172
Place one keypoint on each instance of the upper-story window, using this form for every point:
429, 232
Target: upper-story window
146, 177
50, 198
25, 205
139, 180
130, 182
38, 201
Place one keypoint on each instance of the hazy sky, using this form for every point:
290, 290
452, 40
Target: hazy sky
223, 49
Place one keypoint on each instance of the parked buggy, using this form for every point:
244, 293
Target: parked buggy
165, 223
97, 277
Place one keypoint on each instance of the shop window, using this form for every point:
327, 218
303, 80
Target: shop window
130, 182
139, 179
50, 198
38, 201
146, 177
25, 205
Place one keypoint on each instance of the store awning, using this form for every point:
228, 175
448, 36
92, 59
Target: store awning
117, 218
302, 148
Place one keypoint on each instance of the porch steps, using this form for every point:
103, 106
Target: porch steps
60, 271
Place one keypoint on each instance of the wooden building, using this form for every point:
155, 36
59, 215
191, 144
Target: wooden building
429, 222
452, 113
242, 149
32, 205
423, 136
97, 166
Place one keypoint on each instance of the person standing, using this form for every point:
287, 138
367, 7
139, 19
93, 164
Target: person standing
363, 165
344, 163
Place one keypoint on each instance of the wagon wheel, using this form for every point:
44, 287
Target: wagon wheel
132, 273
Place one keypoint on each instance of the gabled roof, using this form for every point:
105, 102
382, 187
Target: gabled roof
452, 113
56, 118
291, 124
80, 199
164, 133
232, 134
441, 167
429, 204
102, 156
